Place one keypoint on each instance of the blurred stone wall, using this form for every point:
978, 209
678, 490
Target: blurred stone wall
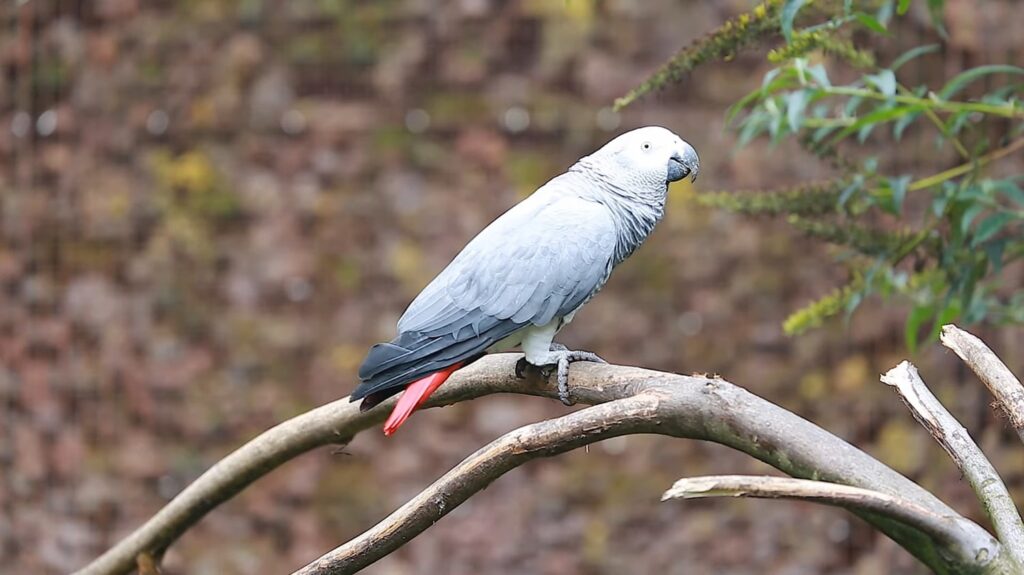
210, 209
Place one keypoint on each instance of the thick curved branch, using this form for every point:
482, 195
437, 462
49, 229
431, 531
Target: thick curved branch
637, 414
656, 407
693, 407
647, 412
945, 530
969, 458
991, 370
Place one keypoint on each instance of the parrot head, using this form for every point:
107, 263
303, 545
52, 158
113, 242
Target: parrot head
652, 155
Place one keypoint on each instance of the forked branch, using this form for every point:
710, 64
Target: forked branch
643, 402
637, 414
969, 458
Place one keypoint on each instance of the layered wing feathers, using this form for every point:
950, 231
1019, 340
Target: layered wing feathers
540, 260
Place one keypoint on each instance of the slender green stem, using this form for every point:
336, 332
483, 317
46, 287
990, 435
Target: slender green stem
966, 168
828, 122
1008, 111
960, 148
912, 245
943, 129
920, 237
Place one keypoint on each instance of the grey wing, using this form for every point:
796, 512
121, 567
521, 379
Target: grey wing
527, 270
539, 261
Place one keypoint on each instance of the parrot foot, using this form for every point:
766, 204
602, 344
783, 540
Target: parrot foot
522, 365
558, 363
562, 358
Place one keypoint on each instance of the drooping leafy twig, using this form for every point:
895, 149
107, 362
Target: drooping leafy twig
724, 43
807, 199
870, 242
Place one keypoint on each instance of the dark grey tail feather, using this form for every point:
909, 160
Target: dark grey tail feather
396, 378
373, 398
371, 401
410, 347
389, 367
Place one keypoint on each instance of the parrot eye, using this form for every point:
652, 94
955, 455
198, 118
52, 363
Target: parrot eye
646, 146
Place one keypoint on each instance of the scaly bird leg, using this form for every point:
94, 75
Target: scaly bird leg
557, 361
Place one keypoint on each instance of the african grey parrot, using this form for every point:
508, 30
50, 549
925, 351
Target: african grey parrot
526, 275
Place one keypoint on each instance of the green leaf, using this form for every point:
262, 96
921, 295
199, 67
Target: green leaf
865, 131
799, 68
796, 103
822, 133
885, 114
973, 194
777, 120
963, 79
752, 126
850, 190
884, 13
770, 77
776, 129
870, 22
789, 10
957, 122
1008, 92
774, 81
968, 216
912, 330
884, 81
738, 107
949, 314
989, 227
901, 125
995, 99
850, 109
1011, 190
977, 304
939, 203
899, 192
903, 7
820, 75
912, 54
994, 253
935, 9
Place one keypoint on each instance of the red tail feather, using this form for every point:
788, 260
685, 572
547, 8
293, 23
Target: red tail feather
415, 394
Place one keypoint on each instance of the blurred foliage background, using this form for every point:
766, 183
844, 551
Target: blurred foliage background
211, 209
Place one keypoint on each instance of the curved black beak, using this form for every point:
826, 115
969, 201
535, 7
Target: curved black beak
684, 162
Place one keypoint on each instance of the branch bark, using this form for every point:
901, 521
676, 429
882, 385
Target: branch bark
945, 530
637, 414
969, 458
691, 407
991, 370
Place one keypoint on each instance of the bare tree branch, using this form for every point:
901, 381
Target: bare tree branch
945, 530
691, 407
953, 437
991, 370
650, 411
637, 414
